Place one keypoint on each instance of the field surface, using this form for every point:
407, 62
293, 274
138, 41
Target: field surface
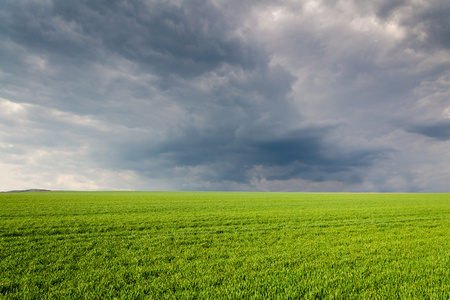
202, 245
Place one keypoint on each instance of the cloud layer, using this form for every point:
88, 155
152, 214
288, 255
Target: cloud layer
225, 95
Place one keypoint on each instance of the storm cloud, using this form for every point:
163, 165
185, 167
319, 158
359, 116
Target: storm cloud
439, 130
225, 95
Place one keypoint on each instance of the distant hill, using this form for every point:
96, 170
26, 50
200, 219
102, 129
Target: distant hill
29, 190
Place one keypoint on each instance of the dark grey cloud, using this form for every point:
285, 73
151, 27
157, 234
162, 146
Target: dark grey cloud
439, 130
265, 95
429, 25
169, 39
229, 156
169, 42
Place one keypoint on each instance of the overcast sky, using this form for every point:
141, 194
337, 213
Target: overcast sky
225, 95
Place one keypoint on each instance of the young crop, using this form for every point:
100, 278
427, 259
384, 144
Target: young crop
214, 245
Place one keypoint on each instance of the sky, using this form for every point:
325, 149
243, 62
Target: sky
226, 95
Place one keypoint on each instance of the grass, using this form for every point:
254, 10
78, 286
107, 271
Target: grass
202, 245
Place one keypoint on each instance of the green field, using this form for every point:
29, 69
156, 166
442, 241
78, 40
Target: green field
214, 245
